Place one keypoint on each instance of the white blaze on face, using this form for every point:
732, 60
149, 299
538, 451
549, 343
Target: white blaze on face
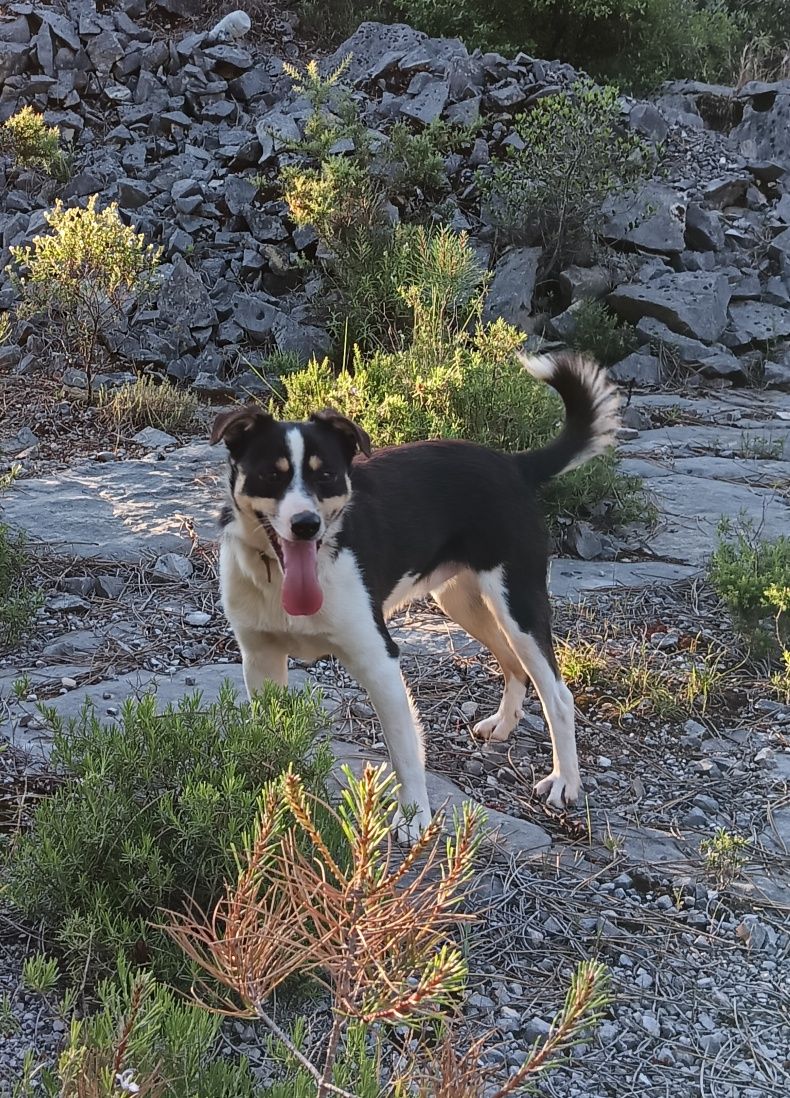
297, 499
302, 594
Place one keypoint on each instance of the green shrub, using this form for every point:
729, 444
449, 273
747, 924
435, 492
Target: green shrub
82, 277
463, 385
18, 601
574, 156
638, 43
149, 403
148, 815
32, 144
599, 333
141, 1040
752, 576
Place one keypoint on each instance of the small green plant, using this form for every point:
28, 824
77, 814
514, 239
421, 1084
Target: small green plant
18, 600
752, 576
148, 815
32, 144
780, 680
148, 403
725, 855
40, 973
82, 278
335, 116
5, 328
142, 1040
20, 687
761, 447
415, 159
574, 156
599, 333
9, 1024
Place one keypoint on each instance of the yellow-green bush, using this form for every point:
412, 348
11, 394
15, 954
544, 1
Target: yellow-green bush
27, 138
82, 276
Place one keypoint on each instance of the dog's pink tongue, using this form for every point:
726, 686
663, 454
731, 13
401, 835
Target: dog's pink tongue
301, 592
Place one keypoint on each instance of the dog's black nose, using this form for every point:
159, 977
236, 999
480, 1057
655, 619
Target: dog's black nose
305, 525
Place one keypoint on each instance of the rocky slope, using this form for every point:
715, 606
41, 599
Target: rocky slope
187, 134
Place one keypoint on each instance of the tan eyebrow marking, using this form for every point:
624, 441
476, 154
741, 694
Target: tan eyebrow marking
283, 464
315, 462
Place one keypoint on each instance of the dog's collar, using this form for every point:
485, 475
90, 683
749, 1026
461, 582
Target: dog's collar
268, 561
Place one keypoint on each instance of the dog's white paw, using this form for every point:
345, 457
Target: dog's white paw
496, 728
408, 825
561, 790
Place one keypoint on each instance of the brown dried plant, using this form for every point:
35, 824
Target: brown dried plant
373, 926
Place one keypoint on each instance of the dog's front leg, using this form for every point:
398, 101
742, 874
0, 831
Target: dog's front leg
379, 673
262, 660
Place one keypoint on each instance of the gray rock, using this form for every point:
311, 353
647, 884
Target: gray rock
564, 324
121, 511
653, 219
13, 59
77, 585
184, 299
779, 248
306, 341
104, 50
374, 47
647, 120
153, 438
776, 375
765, 134
67, 603
758, 322
724, 364
255, 315
280, 128
15, 30
134, 193
728, 191
704, 231
584, 283
507, 95
692, 303
688, 351
639, 369
173, 566
510, 294
10, 356
427, 107
109, 586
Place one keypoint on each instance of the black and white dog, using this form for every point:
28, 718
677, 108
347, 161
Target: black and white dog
321, 540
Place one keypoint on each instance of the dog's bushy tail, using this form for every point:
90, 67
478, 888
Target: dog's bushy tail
592, 413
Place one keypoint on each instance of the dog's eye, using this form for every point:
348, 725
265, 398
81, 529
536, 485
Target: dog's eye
327, 474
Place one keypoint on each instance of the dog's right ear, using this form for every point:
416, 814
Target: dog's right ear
235, 427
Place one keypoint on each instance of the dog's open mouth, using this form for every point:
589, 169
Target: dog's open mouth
302, 594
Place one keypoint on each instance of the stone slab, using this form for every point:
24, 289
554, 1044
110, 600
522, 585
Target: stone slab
122, 511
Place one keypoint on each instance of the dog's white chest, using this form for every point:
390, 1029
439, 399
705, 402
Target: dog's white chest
251, 589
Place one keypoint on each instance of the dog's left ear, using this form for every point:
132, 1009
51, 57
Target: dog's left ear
352, 433
235, 427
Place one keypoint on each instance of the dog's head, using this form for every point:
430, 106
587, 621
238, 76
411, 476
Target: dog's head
292, 480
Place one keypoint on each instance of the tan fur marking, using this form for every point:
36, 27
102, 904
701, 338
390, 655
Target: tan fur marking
315, 462
283, 464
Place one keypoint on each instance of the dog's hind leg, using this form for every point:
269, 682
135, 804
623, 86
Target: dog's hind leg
461, 600
524, 615
262, 660
377, 670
